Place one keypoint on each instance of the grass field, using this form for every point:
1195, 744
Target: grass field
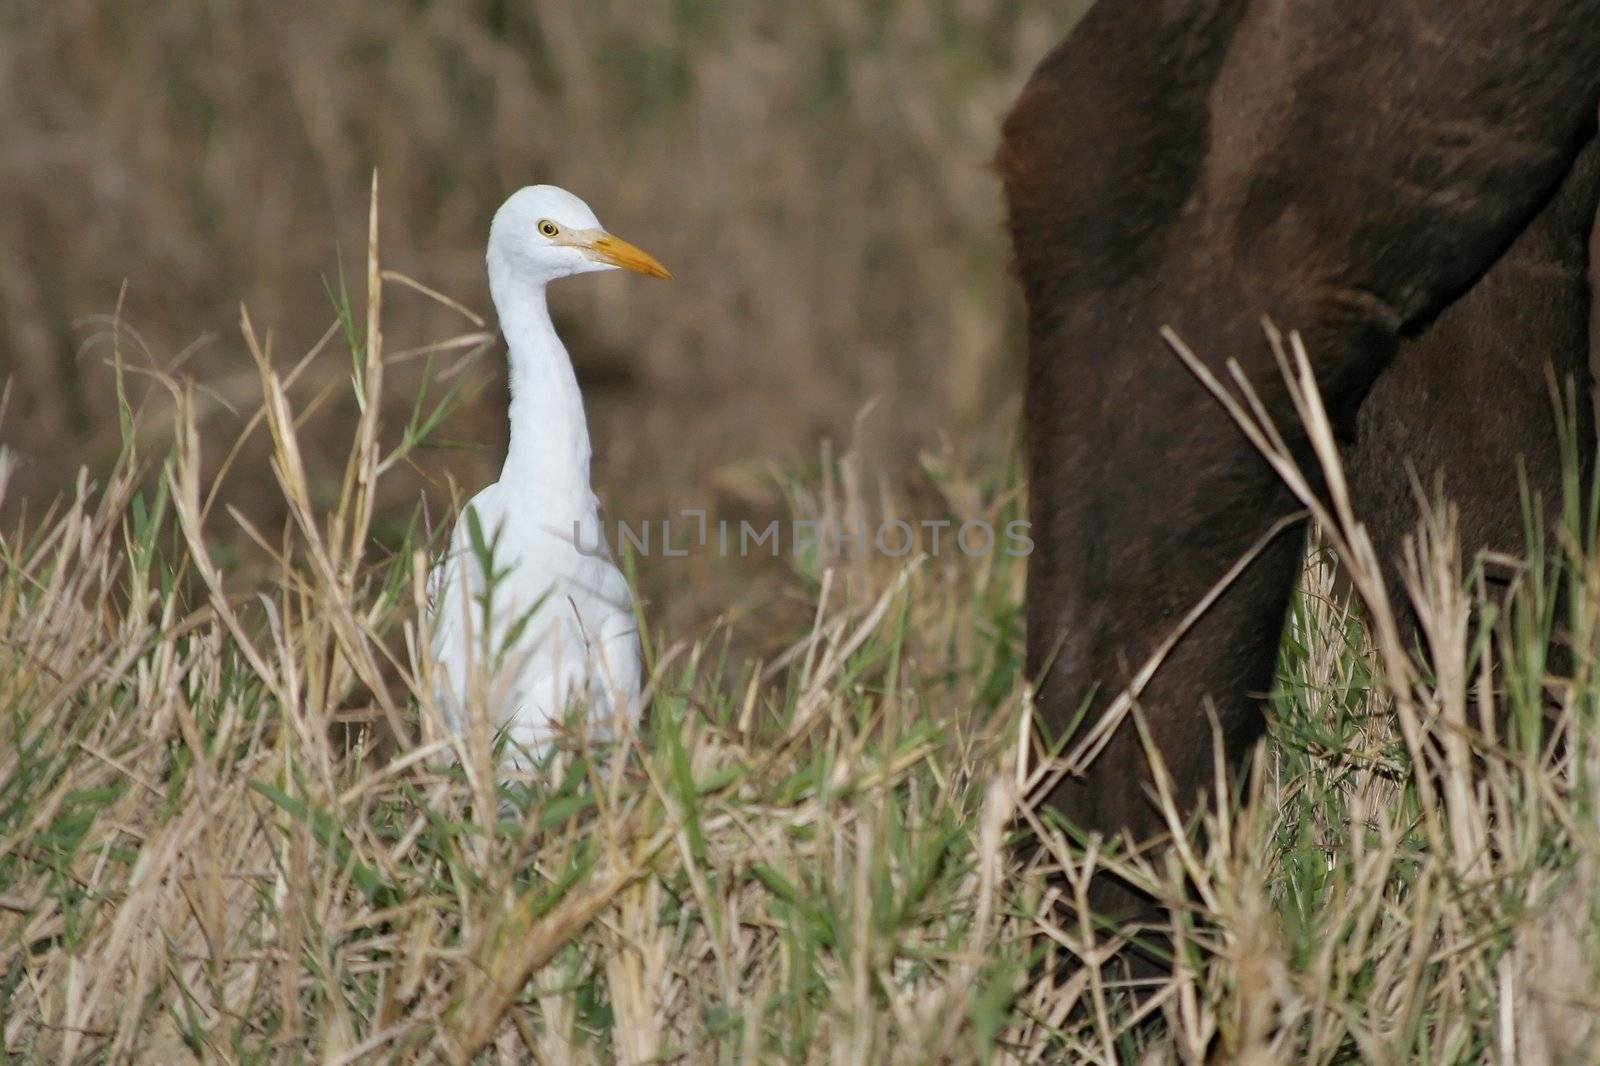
206, 853
227, 829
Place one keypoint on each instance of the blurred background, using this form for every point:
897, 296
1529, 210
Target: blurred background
817, 176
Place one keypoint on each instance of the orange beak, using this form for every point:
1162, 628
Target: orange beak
614, 250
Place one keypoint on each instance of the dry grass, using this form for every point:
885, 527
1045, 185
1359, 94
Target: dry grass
809, 863
205, 852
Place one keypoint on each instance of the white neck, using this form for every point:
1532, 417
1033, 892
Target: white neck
547, 460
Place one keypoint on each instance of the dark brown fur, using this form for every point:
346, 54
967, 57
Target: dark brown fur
1359, 171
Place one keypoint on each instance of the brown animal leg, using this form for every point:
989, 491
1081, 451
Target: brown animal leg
1348, 169
1470, 398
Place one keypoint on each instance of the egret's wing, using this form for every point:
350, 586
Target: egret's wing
620, 666
443, 589
453, 582
613, 628
611, 634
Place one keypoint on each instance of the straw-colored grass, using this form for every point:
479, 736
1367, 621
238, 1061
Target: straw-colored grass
205, 854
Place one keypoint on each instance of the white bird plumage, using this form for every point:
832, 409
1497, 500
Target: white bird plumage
559, 625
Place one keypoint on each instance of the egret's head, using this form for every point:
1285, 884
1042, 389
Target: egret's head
542, 233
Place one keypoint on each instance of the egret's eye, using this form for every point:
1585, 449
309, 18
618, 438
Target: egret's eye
548, 228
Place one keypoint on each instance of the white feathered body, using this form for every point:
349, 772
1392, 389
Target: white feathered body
555, 625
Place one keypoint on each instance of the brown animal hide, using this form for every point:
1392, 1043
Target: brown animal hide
1398, 180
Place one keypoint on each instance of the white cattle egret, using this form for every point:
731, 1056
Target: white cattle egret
552, 622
